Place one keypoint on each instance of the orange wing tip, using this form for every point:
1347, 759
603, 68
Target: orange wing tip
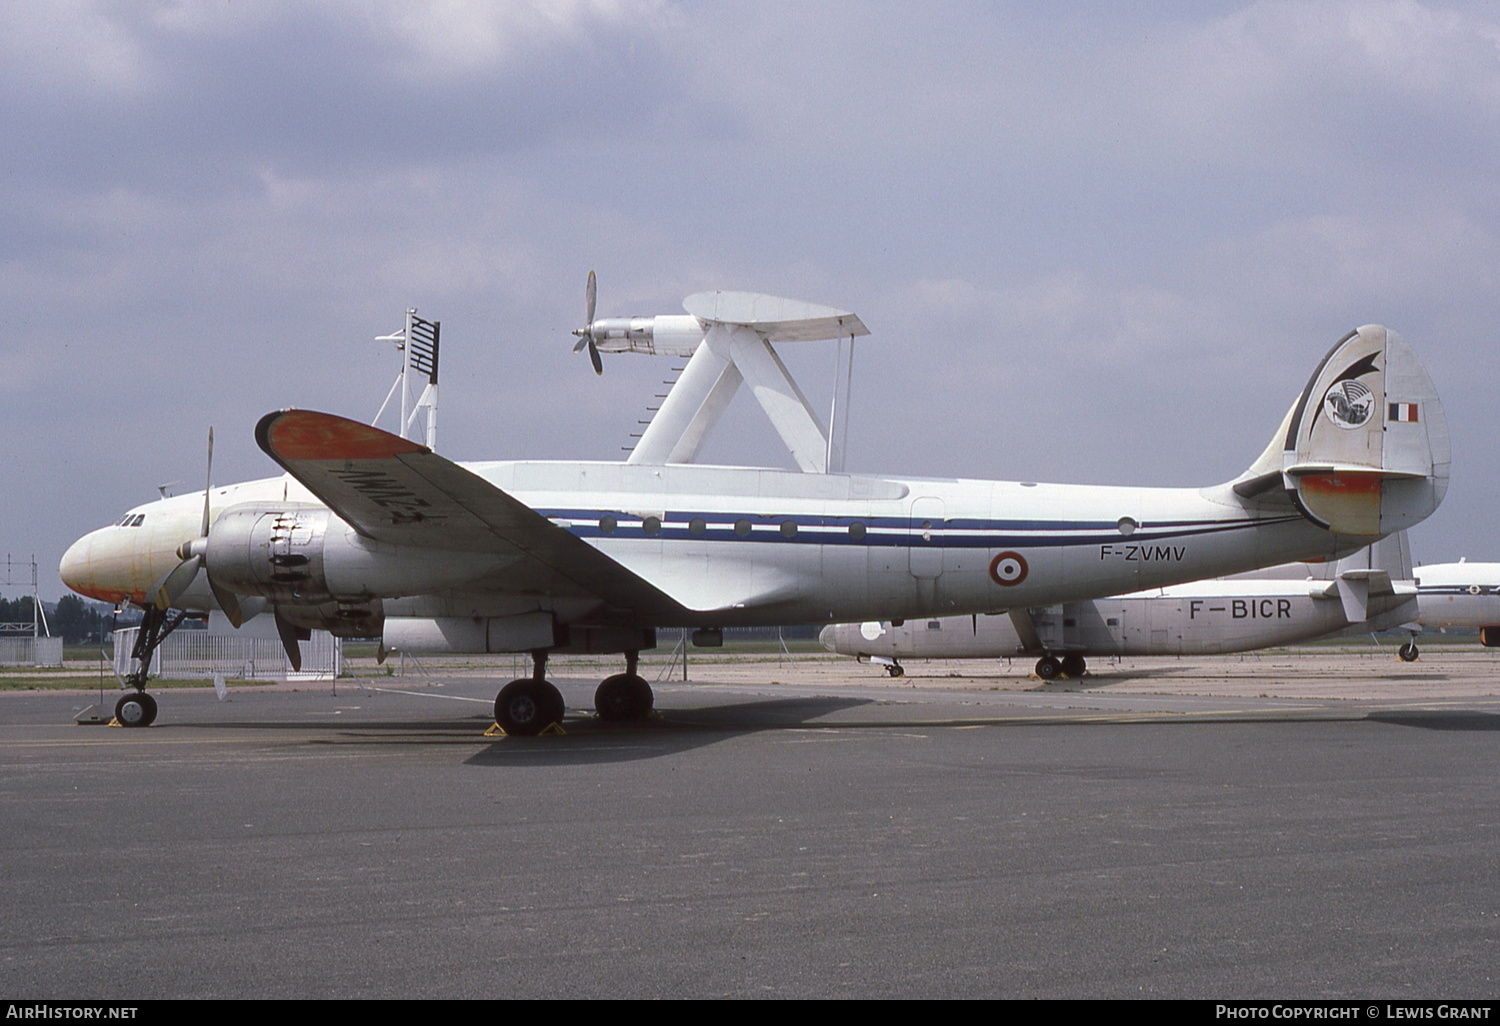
296, 435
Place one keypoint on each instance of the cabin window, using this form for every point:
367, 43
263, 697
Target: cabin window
651, 525
742, 527
1113, 621
857, 530
697, 525
788, 529
1070, 622
607, 524
934, 625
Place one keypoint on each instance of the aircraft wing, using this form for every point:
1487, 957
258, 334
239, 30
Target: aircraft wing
395, 491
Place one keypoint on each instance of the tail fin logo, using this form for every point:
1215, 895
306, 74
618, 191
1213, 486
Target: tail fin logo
1348, 403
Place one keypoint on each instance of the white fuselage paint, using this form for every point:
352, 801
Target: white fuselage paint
858, 548
1459, 595
1199, 618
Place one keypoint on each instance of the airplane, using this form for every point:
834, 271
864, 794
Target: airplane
1462, 594
1371, 591
371, 535
1283, 606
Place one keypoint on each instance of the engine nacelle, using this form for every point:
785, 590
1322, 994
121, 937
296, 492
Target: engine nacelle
521, 632
1489, 637
341, 619
662, 335
303, 555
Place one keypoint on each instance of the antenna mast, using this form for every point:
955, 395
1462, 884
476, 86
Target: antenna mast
417, 342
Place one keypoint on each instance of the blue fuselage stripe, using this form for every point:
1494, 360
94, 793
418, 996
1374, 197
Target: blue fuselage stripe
885, 531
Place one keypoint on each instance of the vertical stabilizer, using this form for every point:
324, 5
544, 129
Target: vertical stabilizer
1364, 450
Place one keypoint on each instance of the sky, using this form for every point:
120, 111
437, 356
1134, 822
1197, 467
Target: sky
1094, 242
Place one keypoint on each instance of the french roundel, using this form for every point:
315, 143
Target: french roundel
1008, 569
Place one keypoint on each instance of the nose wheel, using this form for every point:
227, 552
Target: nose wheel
1408, 652
135, 709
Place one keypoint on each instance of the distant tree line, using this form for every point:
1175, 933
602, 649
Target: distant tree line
73, 619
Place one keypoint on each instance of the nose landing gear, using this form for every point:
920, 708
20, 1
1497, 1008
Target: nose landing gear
136, 708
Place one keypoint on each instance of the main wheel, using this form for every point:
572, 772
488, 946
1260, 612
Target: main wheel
895, 670
1408, 652
1048, 668
526, 707
625, 696
136, 709
1073, 665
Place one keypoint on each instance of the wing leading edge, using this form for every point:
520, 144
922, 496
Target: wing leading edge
396, 491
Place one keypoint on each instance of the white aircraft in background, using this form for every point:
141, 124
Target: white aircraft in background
1373, 590
371, 535
1462, 594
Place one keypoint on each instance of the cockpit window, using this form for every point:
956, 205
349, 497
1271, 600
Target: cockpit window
132, 520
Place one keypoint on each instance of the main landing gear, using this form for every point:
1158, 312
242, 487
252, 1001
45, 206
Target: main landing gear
1408, 652
625, 696
1050, 667
527, 707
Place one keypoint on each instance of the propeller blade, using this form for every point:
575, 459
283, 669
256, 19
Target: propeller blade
288, 635
170, 588
594, 356
208, 483
228, 601
583, 340
590, 293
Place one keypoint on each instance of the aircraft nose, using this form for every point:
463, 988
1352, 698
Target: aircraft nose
74, 567
91, 567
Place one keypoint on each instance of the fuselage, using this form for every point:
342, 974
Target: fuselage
1459, 595
1198, 618
745, 546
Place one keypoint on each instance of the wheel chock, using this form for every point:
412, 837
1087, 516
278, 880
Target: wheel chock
552, 730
